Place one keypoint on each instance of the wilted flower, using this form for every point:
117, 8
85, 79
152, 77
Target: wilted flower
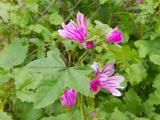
106, 79
75, 31
115, 36
138, 1
69, 98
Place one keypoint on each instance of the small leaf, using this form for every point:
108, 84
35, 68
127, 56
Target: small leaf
132, 101
103, 1
4, 116
155, 59
136, 73
117, 115
55, 18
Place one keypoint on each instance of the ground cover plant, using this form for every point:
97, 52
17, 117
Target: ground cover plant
79, 60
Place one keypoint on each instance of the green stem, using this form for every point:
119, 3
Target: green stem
81, 57
82, 108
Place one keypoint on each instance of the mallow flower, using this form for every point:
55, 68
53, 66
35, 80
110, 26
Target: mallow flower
68, 98
76, 31
115, 36
138, 1
106, 79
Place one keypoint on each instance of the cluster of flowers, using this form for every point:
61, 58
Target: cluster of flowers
78, 32
104, 78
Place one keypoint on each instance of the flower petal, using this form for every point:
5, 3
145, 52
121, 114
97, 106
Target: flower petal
115, 36
108, 69
94, 85
69, 98
96, 67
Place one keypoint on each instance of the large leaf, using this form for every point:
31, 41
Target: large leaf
51, 63
49, 76
27, 112
48, 92
26, 82
74, 77
13, 55
75, 115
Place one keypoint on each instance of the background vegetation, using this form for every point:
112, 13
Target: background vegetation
29, 41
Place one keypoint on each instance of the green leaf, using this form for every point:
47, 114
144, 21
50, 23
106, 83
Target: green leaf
27, 112
136, 73
52, 63
74, 77
149, 47
61, 77
42, 30
4, 116
102, 29
75, 115
132, 101
155, 59
5, 9
123, 54
103, 1
55, 18
33, 6
117, 115
26, 82
156, 82
142, 48
48, 93
138, 118
154, 98
4, 77
13, 55
50, 90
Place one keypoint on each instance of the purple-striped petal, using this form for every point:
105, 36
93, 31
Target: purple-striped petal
75, 31
112, 84
95, 66
108, 69
115, 36
69, 98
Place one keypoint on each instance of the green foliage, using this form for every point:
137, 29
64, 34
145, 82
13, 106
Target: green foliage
37, 64
136, 73
9, 57
4, 116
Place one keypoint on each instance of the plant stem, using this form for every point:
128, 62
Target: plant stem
82, 108
81, 57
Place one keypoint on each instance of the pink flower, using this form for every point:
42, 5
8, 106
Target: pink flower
106, 79
95, 85
96, 67
75, 31
69, 98
115, 36
138, 1
89, 44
